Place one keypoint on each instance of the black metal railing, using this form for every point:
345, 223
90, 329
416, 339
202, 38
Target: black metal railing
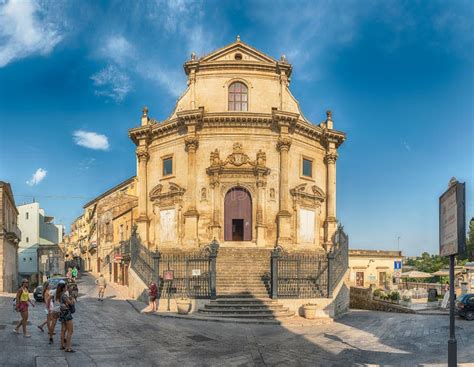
193, 273
309, 274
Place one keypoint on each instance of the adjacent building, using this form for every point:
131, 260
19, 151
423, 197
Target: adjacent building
38, 229
374, 267
10, 236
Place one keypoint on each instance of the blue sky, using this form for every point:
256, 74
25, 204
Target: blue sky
398, 76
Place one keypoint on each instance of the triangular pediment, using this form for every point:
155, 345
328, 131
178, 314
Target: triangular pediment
246, 52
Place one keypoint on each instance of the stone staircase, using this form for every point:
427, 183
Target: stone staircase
243, 273
247, 308
243, 286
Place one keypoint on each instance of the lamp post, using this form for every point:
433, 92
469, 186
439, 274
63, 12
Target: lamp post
398, 240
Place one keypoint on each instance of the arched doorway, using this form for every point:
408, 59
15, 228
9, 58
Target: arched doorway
238, 215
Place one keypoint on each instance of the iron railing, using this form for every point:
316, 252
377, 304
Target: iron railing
309, 274
194, 273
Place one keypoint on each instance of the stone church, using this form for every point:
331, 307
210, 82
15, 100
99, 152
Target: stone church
237, 161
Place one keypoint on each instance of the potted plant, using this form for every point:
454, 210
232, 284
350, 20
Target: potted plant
309, 310
395, 296
184, 305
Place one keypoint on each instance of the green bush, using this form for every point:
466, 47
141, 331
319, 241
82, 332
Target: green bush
377, 292
395, 296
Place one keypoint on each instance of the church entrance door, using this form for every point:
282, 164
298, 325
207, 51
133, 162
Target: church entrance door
238, 215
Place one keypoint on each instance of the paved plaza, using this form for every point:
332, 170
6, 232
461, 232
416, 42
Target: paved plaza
113, 333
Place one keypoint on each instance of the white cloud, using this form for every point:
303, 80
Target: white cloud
25, 32
90, 139
117, 49
111, 82
37, 177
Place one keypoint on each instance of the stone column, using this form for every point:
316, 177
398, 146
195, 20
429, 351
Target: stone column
284, 216
142, 220
191, 215
261, 184
330, 225
215, 186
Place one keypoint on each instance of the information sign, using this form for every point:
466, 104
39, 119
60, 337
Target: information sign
452, 221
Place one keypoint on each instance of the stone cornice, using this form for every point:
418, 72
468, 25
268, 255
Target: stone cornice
238, 119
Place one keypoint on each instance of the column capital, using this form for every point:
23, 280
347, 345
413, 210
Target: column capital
191, 143
142, 154
283, 143
331, 157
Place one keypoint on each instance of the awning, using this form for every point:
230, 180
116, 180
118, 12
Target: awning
416, 274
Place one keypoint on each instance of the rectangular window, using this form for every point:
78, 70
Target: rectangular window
26, 215
27, 240
167, 166
307, 167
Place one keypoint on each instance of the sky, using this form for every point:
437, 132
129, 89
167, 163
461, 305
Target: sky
398, 76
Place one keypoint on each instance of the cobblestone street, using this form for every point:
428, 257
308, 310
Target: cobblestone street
113, 333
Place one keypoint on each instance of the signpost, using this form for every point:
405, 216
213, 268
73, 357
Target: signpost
452, 238
168, 276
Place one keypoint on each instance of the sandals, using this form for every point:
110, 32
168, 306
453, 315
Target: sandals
15, 331
70, 351
41, 328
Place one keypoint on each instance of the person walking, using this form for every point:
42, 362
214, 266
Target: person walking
47, 300
69, 273
65, 316
74, 273
22, 301
102, 283
152, 294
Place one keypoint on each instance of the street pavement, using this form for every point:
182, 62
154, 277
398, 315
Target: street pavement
113, 333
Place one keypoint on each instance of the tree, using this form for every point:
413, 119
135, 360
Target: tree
470, 241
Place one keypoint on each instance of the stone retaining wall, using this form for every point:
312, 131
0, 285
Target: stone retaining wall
361, 298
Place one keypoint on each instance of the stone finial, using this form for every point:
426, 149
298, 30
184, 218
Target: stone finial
145, 116
283, 58
329, 122
452, 181
238, 38
193, 56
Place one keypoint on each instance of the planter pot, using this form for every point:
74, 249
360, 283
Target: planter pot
309, 311
184, 306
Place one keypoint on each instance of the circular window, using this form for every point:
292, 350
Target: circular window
238, 56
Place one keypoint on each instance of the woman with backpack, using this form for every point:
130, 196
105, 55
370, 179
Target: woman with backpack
21, 305
66, 309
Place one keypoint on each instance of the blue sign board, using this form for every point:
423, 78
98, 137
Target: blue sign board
397, 265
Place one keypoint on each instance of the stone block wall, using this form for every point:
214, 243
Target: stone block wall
361, 298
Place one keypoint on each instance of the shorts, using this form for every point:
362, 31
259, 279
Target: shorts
23, 306
152, 298
65, 316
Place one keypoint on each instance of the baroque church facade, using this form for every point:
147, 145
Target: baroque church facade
236, 161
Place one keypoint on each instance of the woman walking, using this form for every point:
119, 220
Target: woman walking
22, 300
47, 301
65, 316
152, 294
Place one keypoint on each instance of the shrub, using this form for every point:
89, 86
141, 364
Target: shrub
395, 296
377, 292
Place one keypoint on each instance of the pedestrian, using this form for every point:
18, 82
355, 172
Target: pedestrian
102, 283
74, 273
47, 300
152, 294
65, 316
54, 310
22, 300
69, 273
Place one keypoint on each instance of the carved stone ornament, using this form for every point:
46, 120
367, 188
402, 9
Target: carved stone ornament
331, 157
174, 195
142, 154
237, 158
283, 144
302, 197
191, 143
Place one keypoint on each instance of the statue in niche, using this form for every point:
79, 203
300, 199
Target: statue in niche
203, 194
